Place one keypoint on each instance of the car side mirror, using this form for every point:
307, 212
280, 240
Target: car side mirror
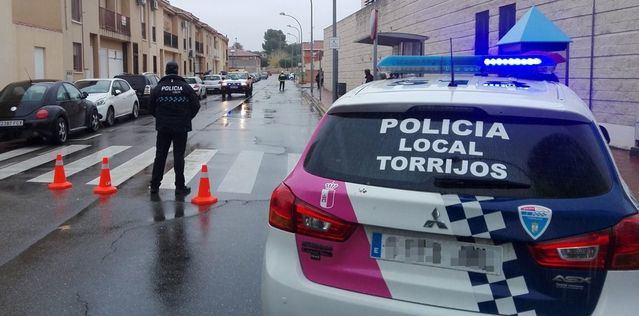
117, 92
604, 132
84, 95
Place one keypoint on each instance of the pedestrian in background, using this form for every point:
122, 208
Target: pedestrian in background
174, 104
368, 76
282, 78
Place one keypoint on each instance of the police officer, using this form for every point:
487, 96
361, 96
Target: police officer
174, 104
282, 78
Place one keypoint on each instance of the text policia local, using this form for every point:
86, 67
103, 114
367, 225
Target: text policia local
461, 128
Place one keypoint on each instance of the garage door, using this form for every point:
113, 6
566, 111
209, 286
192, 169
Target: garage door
116, 62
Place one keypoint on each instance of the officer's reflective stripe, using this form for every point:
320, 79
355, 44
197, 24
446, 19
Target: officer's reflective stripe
22, 166
18, 152
292, 161
192, 165
243, 173
130, 168
83, 163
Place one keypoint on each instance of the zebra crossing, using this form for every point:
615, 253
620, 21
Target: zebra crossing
240, 178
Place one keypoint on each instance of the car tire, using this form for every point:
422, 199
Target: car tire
94, 121
110, 117
135, 113
60, 131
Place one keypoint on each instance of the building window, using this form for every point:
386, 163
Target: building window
155, 64
77, 57
76, 10
143, 30
185, 67
136, 59
144, 63
153, 34
507, 18
185, 44
482, 21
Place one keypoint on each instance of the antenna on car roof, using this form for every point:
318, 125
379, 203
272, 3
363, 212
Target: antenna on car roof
28, 75
452, 66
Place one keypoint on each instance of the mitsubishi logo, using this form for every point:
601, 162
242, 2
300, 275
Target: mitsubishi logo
435, 221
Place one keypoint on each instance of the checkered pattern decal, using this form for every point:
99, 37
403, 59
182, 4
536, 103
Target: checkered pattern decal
468, 219
172, 99
495, 294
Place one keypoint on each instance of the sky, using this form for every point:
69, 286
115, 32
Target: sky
249, 19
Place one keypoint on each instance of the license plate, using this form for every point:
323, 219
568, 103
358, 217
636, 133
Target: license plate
11, 123
436, 252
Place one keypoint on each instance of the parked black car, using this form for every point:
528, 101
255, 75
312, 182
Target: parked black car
45, 109
142, 84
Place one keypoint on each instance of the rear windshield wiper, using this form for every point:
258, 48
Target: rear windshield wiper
479, 183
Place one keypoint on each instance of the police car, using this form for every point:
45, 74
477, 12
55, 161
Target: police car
493, 195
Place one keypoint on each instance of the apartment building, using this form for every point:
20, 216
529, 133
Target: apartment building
604, 52
76, 39
245, 60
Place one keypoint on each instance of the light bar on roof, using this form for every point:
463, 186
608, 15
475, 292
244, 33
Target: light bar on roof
503, 65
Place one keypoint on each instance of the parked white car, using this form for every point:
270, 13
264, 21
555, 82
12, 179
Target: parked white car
213, 83
114, 98
197, 85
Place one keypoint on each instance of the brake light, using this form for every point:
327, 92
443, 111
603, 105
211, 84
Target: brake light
612, 249
582, 252
625, 255
147, 90
290, 214
42, 114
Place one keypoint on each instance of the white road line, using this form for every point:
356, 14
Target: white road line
192, 165
292, 161
243, 173
84, 163
38, 160
130, 168
87, 138
18, 152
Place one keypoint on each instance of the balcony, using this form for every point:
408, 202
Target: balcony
170, 40
199, 48
115, 22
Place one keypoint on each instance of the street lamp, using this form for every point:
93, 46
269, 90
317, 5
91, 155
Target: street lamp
301, 39
292, 52
312, 49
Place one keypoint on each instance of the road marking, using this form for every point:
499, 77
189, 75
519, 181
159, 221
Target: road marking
243, 173
84, 163
192, 165
39, 160
292, 161
18, 152
87, 138
130, 168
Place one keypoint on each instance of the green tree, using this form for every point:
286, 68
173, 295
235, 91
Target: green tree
274, 40
237, 45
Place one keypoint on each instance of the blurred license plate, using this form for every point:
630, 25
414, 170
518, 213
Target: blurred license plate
11, 123
443, 253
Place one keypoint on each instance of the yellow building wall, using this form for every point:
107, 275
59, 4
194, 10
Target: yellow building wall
33, 37
7, 52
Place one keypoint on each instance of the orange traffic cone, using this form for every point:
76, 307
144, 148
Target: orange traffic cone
204, 196
59, 178
105, 186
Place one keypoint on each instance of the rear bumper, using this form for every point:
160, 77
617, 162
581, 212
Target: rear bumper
30, 129
286, 291
618, 295
144, 102
234, 89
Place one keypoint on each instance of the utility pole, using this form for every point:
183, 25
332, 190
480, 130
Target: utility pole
335, 53
312, 51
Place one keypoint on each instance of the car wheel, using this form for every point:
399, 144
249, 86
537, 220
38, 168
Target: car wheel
110, 117
136, 111
61, 131
94, 121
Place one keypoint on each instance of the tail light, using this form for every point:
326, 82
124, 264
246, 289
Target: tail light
147, 90
42, 114
290, 214
612, 249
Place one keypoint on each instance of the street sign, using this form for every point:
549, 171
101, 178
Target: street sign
373, 23
333, 43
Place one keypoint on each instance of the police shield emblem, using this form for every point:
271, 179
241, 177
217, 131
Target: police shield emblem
535, 219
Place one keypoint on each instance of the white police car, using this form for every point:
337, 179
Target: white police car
493, 196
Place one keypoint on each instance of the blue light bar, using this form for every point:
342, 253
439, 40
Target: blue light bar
502, 65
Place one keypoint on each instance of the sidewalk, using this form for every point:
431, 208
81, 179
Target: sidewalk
628, 166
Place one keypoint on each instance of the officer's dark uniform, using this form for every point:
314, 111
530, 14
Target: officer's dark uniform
282, 78
174, 104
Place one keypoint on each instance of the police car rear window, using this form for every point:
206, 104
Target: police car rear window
463, 153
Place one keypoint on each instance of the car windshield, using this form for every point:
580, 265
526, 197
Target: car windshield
17, 93
94, 86
212, 78
191, 80
237, 76
463, 154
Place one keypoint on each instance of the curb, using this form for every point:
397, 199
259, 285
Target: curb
314, 102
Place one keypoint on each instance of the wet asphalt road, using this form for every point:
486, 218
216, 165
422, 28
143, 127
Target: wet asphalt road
72, 253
